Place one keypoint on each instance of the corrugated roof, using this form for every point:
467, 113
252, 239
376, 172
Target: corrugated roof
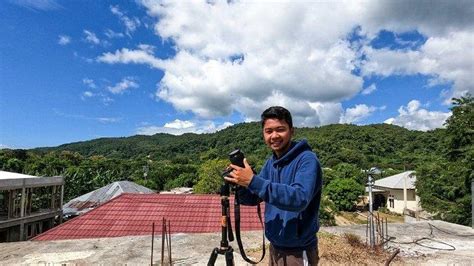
397, 181
99, 196
133, 214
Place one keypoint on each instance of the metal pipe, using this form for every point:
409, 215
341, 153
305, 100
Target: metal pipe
163, 229
152, 241
169, 242
381, 233
371, 216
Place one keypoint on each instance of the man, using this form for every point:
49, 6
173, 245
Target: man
290, 184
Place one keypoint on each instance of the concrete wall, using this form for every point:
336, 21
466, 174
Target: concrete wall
399, 203
18, 219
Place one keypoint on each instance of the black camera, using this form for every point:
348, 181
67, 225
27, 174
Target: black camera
237, 158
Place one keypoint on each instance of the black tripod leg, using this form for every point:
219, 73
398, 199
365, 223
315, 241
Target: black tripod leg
212, 259
229, 257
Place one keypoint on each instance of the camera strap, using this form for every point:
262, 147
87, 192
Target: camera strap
237, 230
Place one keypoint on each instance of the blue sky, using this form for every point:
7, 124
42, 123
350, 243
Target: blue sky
79, 70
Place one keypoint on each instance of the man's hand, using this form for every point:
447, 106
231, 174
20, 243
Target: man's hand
240, 176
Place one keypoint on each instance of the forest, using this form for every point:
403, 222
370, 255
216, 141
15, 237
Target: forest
442, 158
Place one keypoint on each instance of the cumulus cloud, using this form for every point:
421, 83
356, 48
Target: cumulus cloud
432, 18
243, 57
125, 84
179, 127
438, 58
220, 68
142, 55
414, 117
357, 113
64, 39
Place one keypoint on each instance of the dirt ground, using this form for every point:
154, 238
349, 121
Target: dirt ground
445, 243
422, 243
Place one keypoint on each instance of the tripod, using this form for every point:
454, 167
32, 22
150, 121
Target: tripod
226, 226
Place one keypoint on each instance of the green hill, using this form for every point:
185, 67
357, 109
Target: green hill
383, 144
443, 158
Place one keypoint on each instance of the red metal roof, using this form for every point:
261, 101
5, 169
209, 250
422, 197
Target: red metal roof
133, 214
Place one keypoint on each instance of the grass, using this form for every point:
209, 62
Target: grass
354, 217
345, 249
349, 249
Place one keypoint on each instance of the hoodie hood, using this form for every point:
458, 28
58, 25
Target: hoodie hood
296, 148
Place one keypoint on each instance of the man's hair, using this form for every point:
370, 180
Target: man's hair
277, 112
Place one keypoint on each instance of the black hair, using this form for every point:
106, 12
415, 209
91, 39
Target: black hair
279, 113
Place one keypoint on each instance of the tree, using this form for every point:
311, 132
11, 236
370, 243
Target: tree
14, 165
327, 212
344, 192
460, 128
183, 180
210, 179
444, 186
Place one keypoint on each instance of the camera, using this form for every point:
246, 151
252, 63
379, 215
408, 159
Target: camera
237, 158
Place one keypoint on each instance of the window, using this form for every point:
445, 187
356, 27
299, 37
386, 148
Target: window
391, 201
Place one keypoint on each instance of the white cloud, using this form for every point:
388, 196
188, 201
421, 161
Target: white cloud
5, 146
123, 85
369, 89
88, 94
106, 100
244, 57
64, 39
357, 113
435, 17
112, 34
37, 5
143, 55
131, 24
179, 127
438, 57
179, 124
108, 120
83, 117
89, 82
90, 37
416, 118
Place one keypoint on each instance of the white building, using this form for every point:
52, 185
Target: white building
397, 192
29, 205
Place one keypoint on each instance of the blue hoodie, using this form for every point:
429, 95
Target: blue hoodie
291, 188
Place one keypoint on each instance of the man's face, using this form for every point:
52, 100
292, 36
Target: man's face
277, 135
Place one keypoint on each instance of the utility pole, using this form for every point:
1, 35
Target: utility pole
146, 167
370, 183
472, 203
